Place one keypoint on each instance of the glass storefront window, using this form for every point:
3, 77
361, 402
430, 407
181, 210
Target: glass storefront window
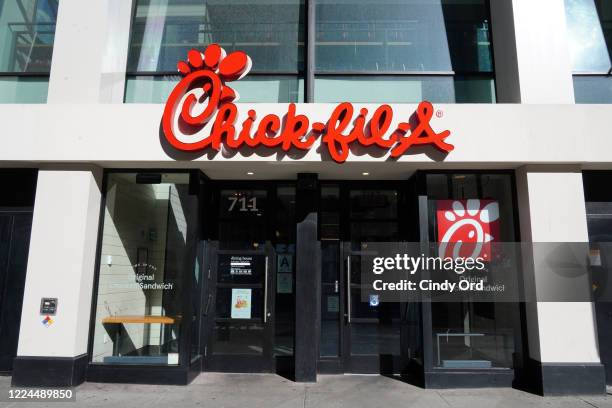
146, 260
403, 89
402, 35
27, 29
262, 89
477, 335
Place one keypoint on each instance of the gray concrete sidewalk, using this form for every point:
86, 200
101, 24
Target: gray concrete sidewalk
271, 391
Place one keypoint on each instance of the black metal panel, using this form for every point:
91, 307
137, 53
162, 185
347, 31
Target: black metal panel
142, 374
469, 379
307, 280
555, 379
49, 371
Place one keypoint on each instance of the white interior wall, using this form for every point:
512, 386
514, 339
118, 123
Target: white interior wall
135, 217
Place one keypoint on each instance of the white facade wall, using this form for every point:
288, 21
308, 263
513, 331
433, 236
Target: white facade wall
61, 261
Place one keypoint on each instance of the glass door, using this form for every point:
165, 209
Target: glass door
357, 336
372, 329
240, 308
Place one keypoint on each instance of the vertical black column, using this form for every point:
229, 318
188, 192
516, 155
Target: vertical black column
307, 279
310, 50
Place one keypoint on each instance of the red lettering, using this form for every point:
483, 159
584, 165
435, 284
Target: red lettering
211, 70
296, 127
296, 132
269, 125
224, 125
423, 133
338, 143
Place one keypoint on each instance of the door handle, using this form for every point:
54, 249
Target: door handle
348, 289
265, 311
336, 286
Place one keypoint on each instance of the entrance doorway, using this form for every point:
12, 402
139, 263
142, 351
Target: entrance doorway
249, 306
16, 209
358, 336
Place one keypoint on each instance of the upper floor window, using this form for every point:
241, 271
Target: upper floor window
365, 51
403, 51
27, 30
270, 31
589, 27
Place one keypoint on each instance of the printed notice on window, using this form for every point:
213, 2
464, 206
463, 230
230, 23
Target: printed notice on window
241, 304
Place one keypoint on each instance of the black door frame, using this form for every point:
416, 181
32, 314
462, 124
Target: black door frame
240, 362
344, 362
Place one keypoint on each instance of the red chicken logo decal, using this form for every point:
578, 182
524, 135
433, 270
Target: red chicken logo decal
205, 76
466, 228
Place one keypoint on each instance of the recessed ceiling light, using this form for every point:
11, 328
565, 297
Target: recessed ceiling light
250, 173
365, 173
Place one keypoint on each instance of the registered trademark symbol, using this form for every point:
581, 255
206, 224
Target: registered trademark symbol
439, 113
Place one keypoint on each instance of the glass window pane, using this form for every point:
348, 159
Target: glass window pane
147, 253
373, 204
402, 35
473, 335
403, 89
467, 334
474, 90
23, 89
267, 88
238, 338
592, 89
27, 29
381, 337
270, 31
586, 39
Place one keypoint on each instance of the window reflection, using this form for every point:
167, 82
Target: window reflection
468, 334
587, 41
269, 31
402, 35
147, 253
27, 29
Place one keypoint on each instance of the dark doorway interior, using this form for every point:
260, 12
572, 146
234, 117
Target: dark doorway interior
16, 206
598, 197
249, 306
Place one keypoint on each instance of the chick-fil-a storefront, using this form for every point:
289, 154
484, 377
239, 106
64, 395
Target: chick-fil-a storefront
226, 236
256, 273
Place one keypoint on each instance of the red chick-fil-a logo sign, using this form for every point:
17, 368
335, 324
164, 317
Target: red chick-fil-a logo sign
203, 98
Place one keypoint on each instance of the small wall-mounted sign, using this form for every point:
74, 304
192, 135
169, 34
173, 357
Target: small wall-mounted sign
374, 300
48, 306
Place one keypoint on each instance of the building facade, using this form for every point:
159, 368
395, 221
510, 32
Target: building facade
192, 184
